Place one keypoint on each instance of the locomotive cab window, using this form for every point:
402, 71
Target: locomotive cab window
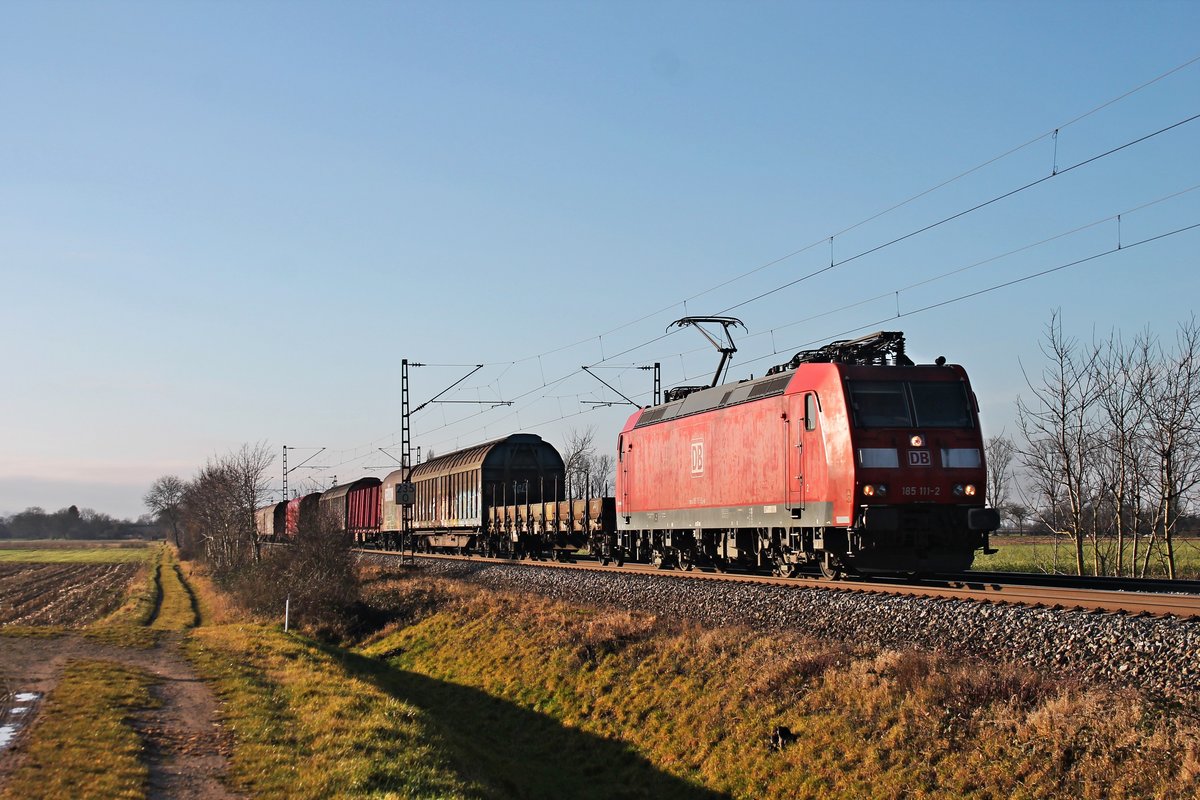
810, 412
941, 405
880, 404
901, 404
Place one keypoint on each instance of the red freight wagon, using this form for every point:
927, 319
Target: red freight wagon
292, 517
301, 514
850, 457
355, 508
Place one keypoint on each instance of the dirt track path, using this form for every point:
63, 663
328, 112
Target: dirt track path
186, 750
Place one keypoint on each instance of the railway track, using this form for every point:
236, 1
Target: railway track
1000, 588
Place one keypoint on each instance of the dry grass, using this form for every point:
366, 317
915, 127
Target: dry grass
700, 704
311, 722
213, 606
84, 744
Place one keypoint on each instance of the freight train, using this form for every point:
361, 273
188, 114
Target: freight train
846, 459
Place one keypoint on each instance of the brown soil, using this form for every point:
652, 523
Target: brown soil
61, 594
186, 749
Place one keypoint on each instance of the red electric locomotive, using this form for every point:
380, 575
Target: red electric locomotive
850, 457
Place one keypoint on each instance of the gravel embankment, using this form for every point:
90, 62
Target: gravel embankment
1156, 654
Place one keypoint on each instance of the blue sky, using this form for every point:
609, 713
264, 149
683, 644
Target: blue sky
227, 222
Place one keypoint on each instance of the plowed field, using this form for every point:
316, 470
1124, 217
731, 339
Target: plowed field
61, 594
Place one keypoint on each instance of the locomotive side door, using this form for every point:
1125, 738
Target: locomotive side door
815, 467
807, 470
623, 482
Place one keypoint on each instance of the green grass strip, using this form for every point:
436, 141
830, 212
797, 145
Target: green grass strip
83, 555
177, 608
84, 744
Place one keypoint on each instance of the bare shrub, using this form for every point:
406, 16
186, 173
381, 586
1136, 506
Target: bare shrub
315, 575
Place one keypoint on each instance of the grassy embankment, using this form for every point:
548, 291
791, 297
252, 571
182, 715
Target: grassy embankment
84, 743
476, 693
500, 672
1039, 554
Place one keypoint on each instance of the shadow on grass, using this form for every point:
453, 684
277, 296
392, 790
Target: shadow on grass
512, 752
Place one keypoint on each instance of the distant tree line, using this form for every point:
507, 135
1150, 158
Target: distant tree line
73, 523
1108, 451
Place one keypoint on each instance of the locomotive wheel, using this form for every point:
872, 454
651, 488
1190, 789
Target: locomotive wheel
659, 559
831, 567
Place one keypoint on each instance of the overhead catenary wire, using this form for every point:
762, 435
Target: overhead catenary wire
965, 296
508, 365
771, 332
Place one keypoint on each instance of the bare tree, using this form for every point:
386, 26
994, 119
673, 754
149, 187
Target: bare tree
165, 502
578, 452
1172, 407
1059, 433
218, 505
999, 452
601, 473
1018, 514
1122, 375
250, 465
210, 513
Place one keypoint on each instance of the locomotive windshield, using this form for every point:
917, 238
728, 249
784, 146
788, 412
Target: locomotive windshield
910, 404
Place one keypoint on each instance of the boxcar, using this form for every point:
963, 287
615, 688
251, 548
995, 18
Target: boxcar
455, 492
271, 522
301, 514
355, 508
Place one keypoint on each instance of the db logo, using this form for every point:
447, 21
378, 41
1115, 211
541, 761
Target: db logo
697, 458
919, 458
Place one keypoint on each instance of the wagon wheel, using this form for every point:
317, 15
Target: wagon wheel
785, 570
659, 559
831, 567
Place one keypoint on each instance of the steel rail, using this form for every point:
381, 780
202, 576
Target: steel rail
1105, 582
961, 588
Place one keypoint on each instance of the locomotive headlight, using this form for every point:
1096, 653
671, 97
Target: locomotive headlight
869, 491
875, 490
917, 440
969, 490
